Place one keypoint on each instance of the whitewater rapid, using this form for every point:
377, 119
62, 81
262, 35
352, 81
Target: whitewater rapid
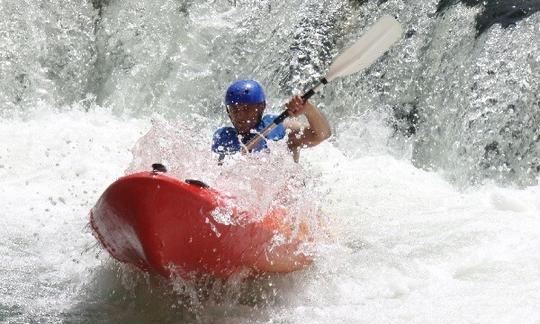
408, 246
429, 185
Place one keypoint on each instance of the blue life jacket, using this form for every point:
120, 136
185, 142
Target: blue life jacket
226, 139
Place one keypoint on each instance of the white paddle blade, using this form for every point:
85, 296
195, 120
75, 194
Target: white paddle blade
372, 45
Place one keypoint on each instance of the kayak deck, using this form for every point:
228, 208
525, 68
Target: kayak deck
167, 226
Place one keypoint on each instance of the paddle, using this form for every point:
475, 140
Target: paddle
372, 45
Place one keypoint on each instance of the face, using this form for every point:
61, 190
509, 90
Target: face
245, 117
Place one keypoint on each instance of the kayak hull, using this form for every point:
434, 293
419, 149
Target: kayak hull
170, 227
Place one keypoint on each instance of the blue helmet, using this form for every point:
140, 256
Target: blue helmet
244, 92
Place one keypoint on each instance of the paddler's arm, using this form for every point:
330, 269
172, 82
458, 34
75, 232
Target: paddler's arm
305, 135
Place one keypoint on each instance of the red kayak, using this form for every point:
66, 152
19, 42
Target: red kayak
172, 227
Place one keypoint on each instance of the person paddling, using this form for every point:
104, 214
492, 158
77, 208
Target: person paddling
245, 102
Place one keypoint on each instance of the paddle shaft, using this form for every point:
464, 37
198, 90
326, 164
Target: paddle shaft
262, 135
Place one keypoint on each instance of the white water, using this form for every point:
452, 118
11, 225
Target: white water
408, 245
53, 168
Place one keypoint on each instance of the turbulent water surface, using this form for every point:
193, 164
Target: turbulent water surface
429, 185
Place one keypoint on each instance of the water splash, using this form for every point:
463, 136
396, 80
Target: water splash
445, 98
258, 183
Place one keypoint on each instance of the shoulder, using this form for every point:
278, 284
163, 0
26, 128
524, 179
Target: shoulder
278, 132
225, 139
224, 132
268, 119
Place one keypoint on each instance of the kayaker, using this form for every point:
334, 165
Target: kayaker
245, 102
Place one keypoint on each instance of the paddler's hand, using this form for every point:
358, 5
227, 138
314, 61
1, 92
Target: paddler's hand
297, 106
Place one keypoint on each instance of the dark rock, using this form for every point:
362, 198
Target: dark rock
503, 12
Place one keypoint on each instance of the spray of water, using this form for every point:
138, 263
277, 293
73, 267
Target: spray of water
428, 187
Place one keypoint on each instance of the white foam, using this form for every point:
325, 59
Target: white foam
55, 166
406, 245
